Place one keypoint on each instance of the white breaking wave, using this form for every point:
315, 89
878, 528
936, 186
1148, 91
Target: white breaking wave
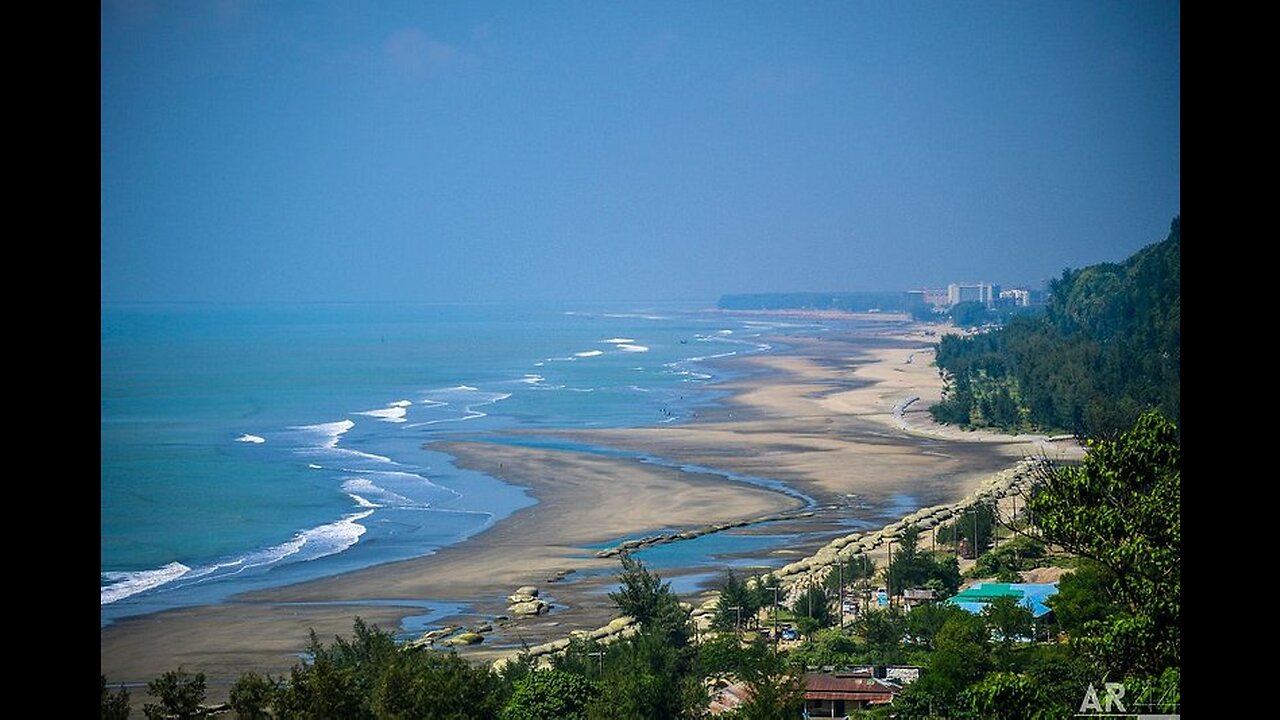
331, 431
618, 340
363, 488
400, 403
362, 502
626, 347
311, 544
469, 409
588, 353
124, 584
247, 438
360, 454
394, 413
314, 466
532, 379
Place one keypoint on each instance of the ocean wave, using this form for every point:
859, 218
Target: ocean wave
347, 452
392, 413
469, 409
618, 340
635, 315
627, 347
588, 353
409, 488
363, 488
329, 431
247, 438
314, 466
400, 403
362, 502
532, 379
310, 544
121, 585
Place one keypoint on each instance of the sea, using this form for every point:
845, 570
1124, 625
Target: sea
249, 446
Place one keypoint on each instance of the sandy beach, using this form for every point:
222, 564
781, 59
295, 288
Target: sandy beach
824, 415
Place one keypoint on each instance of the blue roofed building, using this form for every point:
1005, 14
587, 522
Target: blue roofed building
1032, 595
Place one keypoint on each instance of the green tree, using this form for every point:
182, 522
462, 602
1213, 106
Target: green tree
340, 678
647, 677
975, 526
734, 593
882, 631
434, 685
776, 692
961, 656
968, 313
1083, 596
550, 695
1007, 696
115, 705
814, 605
180, 695
1121, 507
1008, 621
644, 596
924, 622
252, 696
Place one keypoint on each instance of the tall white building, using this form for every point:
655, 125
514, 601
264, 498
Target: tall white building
985, 293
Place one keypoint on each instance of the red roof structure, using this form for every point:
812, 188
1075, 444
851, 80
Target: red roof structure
833, 695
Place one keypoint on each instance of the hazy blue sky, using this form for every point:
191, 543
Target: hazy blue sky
475, 151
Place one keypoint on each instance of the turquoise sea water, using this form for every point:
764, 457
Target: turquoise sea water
248, 446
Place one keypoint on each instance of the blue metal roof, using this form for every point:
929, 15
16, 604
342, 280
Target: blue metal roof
1033, 595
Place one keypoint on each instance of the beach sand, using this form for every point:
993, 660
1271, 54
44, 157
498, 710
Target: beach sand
819, 415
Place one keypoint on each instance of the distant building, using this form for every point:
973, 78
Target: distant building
1016, 297
912, 597
925, 296
984, 293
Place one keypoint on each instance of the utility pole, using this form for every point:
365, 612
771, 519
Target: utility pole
775, 612
975, 535
888, 572
840, 570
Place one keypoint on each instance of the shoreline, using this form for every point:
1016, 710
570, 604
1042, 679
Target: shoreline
803, 415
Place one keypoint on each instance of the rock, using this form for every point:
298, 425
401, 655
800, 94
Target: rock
531, 607
466, 638
530, 590
617, 624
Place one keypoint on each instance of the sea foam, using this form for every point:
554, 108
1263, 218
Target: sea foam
392, 413
247, 438
627, 347
123, 584
329, 431
588, 353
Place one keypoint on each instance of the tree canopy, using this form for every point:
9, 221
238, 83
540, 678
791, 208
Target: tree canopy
1106, 349
1121, 508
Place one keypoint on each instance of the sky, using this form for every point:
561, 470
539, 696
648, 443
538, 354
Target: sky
308, 150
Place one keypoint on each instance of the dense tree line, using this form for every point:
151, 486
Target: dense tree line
1106, 349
